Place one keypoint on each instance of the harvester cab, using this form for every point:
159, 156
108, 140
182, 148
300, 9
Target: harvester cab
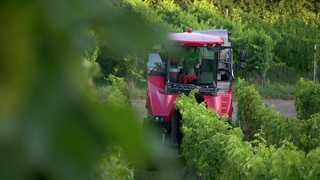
167, 78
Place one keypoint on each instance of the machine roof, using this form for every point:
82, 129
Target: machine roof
196, 39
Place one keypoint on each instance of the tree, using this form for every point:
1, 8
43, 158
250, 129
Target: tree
260, 48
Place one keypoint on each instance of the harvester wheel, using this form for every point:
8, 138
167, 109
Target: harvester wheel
176, 134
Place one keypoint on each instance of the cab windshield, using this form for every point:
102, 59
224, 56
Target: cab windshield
214, 71
185, 71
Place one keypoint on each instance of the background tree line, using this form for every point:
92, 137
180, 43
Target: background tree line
275, 33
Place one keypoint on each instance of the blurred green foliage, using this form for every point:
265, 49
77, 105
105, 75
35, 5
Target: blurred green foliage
51, 123
113, 165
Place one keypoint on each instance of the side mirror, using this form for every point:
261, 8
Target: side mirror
243, 57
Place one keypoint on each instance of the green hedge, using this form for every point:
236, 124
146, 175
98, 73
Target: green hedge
256, 117
249, 103
205, 136
278, 147
307, 98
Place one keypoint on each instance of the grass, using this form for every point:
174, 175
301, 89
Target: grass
102, 92
138, 92
276, 91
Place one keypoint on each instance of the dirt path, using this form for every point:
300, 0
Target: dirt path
139, 106
285, 107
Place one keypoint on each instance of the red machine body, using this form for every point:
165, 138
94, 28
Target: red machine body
159, 104
165, 80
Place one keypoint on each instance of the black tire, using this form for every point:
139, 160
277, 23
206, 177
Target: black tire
176, 134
